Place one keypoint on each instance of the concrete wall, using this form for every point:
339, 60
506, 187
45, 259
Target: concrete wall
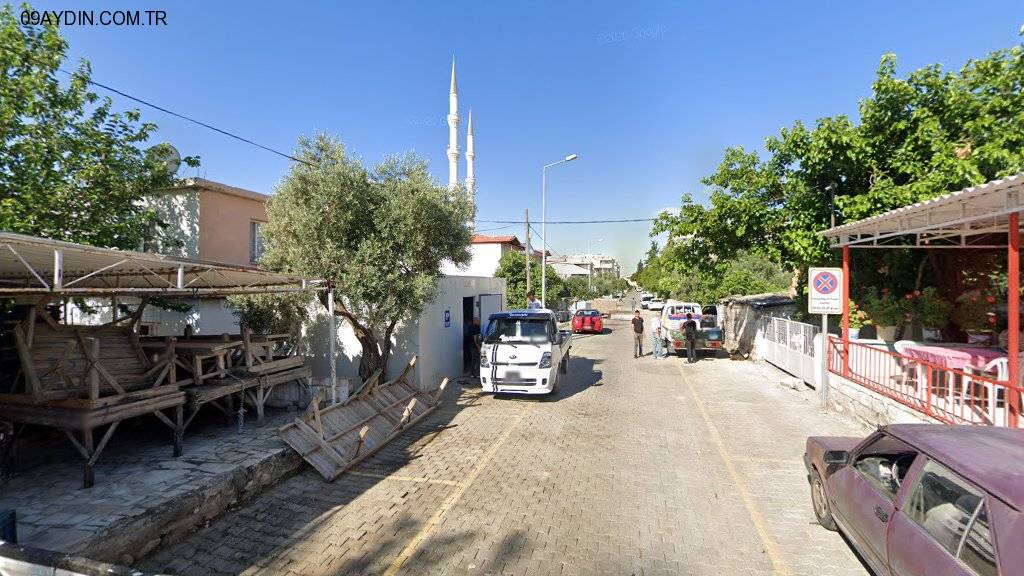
485, 258
180, 210
438, 346
224, 226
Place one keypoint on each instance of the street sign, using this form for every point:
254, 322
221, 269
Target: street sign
825, 291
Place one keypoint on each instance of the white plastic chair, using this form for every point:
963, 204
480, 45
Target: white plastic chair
1001, 368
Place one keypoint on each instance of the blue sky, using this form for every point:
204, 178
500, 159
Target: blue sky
648, 94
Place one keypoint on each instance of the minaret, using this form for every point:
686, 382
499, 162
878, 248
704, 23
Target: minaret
453, 133
470, 155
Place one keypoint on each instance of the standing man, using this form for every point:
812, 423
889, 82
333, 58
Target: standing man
690, 333
638, 335
531, 301
656, 337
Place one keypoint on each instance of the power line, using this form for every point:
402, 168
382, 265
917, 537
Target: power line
192, 120
493, 229
571, 221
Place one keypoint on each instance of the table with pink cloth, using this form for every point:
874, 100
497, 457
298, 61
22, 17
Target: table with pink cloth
953, 357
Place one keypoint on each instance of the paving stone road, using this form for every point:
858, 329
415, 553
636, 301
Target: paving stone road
637, 467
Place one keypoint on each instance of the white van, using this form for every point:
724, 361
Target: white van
674, 314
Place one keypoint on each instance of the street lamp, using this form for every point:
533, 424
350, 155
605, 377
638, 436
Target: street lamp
544, 226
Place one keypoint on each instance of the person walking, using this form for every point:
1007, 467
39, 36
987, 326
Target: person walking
690, 334
638, 335
656, 348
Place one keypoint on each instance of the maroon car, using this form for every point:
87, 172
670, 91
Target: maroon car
925, 499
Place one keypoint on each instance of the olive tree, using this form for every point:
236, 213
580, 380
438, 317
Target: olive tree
378, 236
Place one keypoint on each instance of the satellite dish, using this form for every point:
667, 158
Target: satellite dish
169, 156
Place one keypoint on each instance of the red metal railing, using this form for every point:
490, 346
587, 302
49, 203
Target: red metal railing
951, 396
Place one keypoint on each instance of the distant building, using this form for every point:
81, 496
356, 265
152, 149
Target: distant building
570, 270
602, 265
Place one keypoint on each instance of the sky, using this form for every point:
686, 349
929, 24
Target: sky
647, 94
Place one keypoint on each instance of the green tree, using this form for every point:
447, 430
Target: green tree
918, 137
512, 267
378, 237
71, 168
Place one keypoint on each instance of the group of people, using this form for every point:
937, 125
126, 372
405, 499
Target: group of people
657, 337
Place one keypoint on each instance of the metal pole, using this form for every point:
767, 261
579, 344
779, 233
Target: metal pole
332, 345
824, 360
1013, 321
846, 311
529, 251
544, 234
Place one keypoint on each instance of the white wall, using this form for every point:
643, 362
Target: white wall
181, 212
485, 258
439, 347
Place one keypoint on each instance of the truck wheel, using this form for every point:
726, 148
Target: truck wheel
820, 502
563, 366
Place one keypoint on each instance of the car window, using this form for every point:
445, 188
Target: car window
884, 463
947, 507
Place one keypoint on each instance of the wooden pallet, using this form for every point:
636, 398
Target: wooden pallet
335, 438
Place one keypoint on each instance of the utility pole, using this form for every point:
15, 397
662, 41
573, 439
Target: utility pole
529, 251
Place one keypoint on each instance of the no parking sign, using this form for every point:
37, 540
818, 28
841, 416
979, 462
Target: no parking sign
825, 291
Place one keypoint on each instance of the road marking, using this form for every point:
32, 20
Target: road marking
748, 501
399, 478
452, 499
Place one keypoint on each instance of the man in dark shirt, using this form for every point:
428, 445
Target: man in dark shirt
690, 334
638, 335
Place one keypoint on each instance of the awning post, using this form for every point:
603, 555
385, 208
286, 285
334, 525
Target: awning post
846, 310
58, 269
332, 345
1013, 320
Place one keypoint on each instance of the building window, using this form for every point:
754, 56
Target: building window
255, 241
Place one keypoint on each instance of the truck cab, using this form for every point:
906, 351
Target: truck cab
523, 352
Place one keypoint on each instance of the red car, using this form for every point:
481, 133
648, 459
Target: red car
587, 321
925, 499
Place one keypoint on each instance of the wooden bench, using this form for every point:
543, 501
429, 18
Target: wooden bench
80, 378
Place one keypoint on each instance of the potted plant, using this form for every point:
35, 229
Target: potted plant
932, 311
858, 319
885, 312
975, 314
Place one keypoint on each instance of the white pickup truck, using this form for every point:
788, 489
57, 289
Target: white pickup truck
523, 352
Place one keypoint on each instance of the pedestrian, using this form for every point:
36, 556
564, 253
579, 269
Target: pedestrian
690, 334
638, 335
656, 348
531, 301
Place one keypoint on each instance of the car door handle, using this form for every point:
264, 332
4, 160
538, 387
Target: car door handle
882, 515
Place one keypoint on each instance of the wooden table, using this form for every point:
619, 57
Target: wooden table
194, 352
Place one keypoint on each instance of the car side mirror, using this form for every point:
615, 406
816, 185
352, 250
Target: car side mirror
836, 457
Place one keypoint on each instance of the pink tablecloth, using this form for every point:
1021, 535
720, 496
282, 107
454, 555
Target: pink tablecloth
952, 357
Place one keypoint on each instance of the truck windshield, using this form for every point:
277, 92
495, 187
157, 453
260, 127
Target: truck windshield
510, 329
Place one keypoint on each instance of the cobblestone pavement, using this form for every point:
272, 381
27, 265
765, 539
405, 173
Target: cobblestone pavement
638, 466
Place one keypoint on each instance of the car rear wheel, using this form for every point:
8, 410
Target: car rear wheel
820, 502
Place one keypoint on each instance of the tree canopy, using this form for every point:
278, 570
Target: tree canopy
512, 267
379, 237
930, 133
71, 168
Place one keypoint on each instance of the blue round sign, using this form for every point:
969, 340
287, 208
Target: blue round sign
825, 282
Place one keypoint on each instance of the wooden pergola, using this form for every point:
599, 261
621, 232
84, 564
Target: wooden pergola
986, 216
80, 378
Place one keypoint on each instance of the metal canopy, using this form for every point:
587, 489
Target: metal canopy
31, 265
964, 219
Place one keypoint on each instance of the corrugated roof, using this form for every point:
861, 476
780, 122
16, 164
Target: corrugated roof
952, 212
29, 265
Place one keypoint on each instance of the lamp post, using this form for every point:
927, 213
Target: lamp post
544, 226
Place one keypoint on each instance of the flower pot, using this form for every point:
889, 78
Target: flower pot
887, 333
854, 333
